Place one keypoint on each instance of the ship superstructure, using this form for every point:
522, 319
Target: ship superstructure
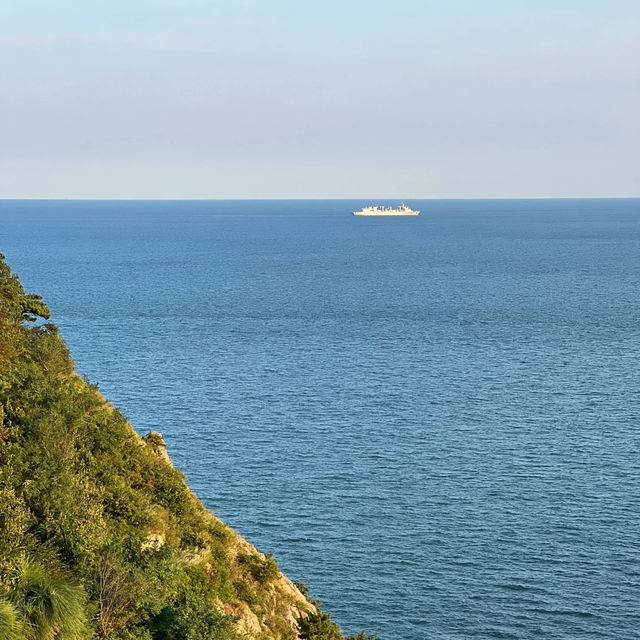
378, 210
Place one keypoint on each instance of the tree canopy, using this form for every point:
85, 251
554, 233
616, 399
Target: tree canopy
16, 306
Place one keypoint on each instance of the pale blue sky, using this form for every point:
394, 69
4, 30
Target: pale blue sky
251, 98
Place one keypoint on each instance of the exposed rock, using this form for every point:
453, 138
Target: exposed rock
154, 541
248, 622
282, 603
155, 440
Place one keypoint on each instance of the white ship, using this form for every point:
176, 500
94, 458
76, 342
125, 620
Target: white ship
377, 210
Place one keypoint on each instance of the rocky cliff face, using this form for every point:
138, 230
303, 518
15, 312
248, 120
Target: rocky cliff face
280, 605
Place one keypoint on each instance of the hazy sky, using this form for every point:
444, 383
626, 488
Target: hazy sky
289, 98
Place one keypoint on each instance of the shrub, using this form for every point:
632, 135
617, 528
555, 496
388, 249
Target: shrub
302, 588
192, 617
262, 570
11, 624
245, 594
318, 626
54, 607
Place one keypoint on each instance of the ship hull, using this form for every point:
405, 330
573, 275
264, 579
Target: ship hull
384, 214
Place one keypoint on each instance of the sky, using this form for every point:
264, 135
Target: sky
332, 99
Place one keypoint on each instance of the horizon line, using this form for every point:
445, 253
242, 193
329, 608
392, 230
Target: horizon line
306, 198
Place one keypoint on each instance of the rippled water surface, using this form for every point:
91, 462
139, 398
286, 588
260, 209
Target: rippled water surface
432, 422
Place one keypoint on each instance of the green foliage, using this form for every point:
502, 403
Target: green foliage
16, 306
246, 594
133, 633
318, 626
192, 617
15, 518
263, 570
52, 606
12, 626
155, 439
302, 588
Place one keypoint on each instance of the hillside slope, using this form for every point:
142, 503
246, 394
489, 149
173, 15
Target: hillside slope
99, 535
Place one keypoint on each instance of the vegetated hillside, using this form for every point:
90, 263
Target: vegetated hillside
99, 535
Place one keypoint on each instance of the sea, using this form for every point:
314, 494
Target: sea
432, 422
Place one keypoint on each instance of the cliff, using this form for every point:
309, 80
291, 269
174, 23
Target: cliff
99, 535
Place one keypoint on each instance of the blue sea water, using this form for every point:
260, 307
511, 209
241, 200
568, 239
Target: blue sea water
432, 422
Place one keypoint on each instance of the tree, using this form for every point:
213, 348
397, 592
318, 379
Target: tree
16, 306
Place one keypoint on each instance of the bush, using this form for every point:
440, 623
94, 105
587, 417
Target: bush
53, 606
318, 626
302, 588
11, 624
245, 594
193, 618
262, 570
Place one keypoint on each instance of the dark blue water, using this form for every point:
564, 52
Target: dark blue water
432, 422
